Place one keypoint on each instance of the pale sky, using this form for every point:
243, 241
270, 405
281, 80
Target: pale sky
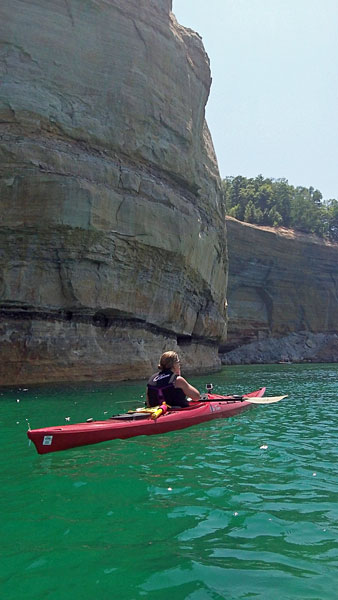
273, 104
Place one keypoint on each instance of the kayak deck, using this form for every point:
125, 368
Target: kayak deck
64, 437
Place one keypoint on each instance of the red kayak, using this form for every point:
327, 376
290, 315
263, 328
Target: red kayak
53, 439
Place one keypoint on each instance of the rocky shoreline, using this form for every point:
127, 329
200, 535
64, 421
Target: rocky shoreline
297, 347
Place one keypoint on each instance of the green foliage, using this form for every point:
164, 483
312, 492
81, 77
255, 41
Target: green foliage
332, 220
276, 203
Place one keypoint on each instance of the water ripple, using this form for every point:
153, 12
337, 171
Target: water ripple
243, 508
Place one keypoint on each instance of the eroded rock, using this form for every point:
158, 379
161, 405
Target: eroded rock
112, 217
282, 295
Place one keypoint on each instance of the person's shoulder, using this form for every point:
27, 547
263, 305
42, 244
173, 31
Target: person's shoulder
152, 377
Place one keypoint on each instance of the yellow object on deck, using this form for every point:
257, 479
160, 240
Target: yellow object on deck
153, 411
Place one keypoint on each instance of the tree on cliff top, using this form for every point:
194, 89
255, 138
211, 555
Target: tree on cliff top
275, 202
332, 219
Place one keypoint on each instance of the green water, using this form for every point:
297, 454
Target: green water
204, 513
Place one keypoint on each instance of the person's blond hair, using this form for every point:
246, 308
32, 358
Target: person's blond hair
167, 360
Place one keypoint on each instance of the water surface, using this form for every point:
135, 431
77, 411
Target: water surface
241, 508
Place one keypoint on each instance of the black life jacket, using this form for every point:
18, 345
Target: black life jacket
161, 388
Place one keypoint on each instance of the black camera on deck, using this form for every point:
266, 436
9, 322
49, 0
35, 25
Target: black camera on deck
209, 387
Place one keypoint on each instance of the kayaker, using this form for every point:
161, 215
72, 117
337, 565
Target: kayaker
168, 385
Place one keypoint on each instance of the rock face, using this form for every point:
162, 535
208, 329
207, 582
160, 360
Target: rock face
112, 221
282, 296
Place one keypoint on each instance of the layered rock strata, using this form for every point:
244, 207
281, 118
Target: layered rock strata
112, 223
282, 295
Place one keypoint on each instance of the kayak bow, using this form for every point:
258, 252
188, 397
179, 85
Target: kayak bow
54, 439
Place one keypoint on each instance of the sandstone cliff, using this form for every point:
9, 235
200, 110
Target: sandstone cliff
282, 295
112, 223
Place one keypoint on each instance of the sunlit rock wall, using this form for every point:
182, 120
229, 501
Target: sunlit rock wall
282, 295
112, 229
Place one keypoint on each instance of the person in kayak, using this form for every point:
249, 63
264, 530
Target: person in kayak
168, 385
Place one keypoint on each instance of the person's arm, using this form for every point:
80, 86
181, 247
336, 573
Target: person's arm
188, 389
